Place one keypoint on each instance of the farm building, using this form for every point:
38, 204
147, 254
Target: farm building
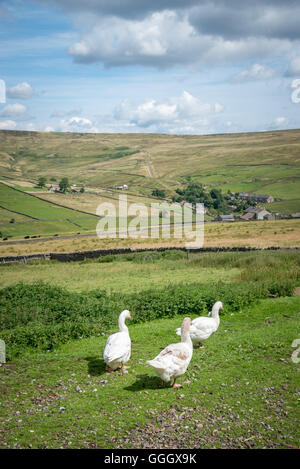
225, 218
256, 213
54, 188
262, 198
122, 188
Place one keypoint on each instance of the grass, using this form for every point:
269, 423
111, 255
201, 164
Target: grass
44, 315
241, 391
42, 217
114, 276
283, 233
154, 270
291, 206
265, 162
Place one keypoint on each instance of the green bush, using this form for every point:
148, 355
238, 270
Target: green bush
43, 316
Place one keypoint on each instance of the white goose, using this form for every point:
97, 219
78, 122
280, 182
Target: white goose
118, 346
173, 361
202, 327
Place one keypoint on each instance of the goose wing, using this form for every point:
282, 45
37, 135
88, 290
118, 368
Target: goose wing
116, 346
173, 358
203, 327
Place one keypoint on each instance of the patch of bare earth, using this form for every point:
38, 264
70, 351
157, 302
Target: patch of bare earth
196, 427
297, 291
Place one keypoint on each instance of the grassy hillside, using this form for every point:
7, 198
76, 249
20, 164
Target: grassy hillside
262, 234
265, 162
240, 391
34, 216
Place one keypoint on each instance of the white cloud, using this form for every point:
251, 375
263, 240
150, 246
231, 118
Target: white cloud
8, 125
49, 129
77, 124
164, 39
218, 107
13, 110
223, 18
175, 112
295, 96
294, 68
281, 122
256, 72
64, 113
20, 91
30, 127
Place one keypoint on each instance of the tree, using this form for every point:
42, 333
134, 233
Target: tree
82, 190
159, 193
42, 181
64, 185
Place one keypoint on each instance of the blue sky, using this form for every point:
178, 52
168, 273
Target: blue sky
168, 66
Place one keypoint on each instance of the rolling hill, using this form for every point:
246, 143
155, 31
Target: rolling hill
265, 162
23, 213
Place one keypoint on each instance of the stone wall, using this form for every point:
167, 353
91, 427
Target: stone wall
95, 254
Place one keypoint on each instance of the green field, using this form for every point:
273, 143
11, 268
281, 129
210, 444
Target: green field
240, 391
265, 162
38, 217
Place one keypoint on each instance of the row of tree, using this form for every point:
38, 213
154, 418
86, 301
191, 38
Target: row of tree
195, 193
64, 185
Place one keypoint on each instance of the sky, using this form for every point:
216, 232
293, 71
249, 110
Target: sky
138, 66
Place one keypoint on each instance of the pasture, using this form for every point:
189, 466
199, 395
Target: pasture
240, 391
35, 216
265, 162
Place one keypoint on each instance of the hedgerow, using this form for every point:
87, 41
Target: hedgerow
43, 316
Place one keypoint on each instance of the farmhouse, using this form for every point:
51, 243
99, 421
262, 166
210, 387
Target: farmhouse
263, 198
120, 188
256, 213
54, 188
225, 218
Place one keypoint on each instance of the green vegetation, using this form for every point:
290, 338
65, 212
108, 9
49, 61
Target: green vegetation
64, 185
240, 391
42, 181
214, 167
196, 193
159, 193
42, 315
39, 217
265, 162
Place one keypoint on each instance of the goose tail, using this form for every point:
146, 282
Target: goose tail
155, 364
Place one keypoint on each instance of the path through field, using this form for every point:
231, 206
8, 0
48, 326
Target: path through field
148, 164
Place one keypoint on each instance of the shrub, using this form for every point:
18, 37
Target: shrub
43, 316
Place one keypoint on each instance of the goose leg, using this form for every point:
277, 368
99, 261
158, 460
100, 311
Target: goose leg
123, 367
175, 385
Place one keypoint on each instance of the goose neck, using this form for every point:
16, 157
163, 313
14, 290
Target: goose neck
122, 325
186, 338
